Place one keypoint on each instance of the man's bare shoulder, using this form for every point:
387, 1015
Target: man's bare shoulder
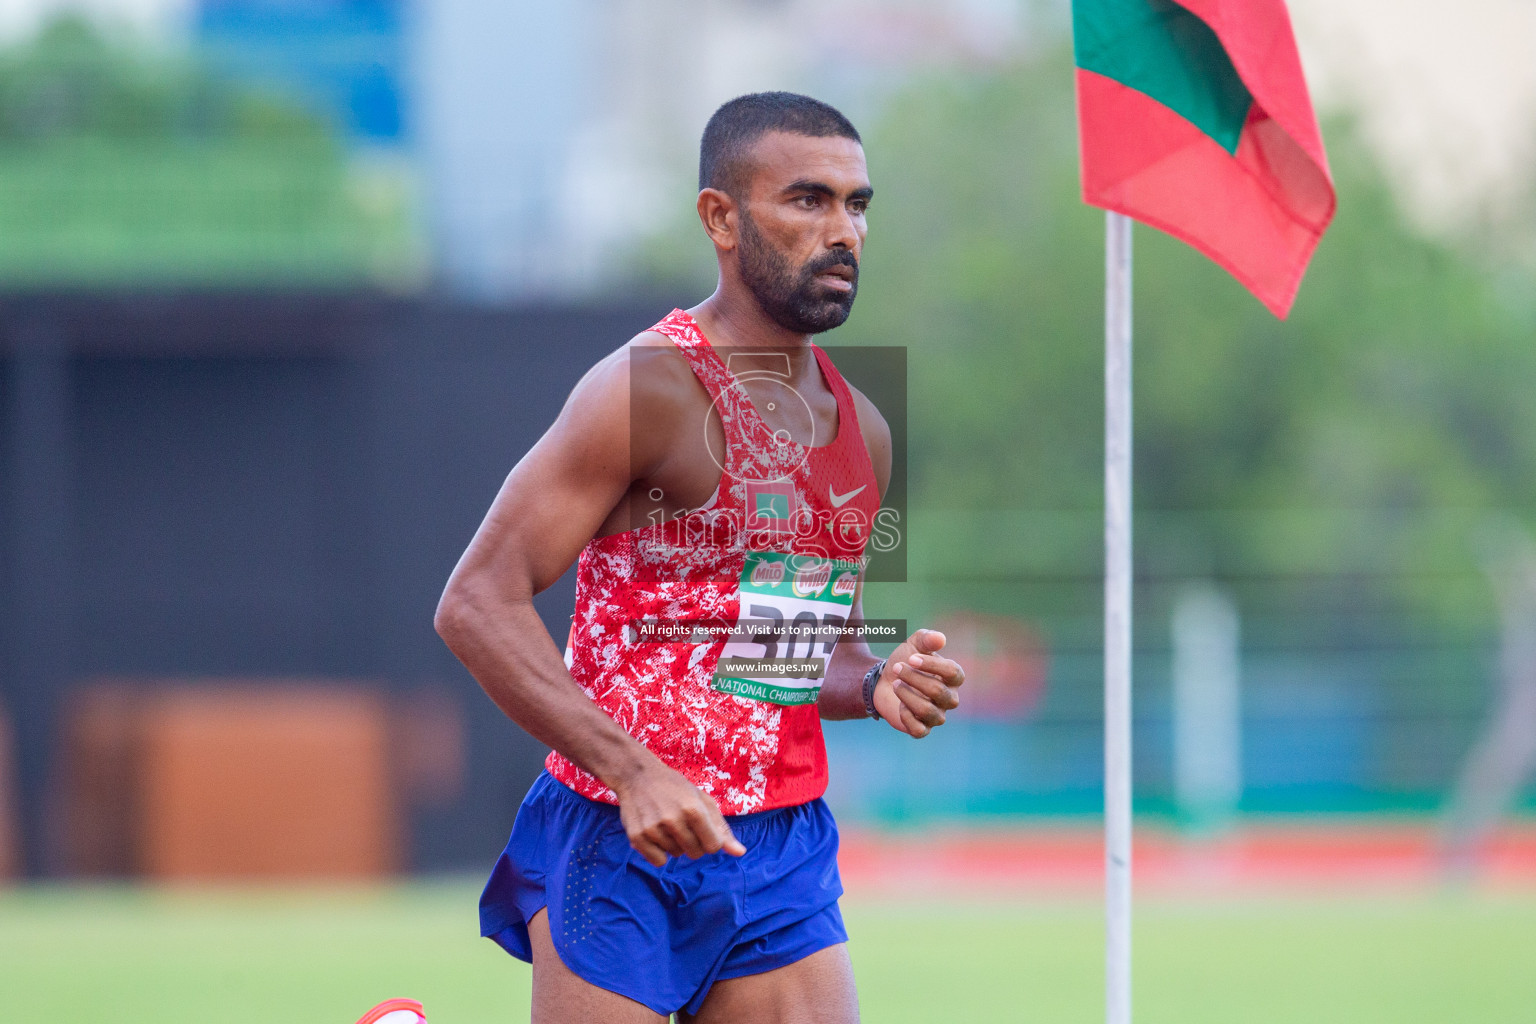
871, 420
877, 435
646, 366
660, 377
644, 390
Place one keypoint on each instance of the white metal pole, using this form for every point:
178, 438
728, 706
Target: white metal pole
1117, 618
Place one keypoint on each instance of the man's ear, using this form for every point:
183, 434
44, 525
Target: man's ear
719, 214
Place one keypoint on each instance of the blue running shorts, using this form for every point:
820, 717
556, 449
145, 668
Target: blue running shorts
663, 936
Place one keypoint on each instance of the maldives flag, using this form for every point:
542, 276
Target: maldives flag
1194, 118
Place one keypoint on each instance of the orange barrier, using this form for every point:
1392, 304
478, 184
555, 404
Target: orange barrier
228, 780
266, 784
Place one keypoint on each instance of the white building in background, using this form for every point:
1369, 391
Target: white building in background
500, 90
1446, 94
553, 136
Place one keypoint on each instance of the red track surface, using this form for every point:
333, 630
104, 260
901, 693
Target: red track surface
1071, 858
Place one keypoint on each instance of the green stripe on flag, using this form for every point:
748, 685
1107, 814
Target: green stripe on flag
1158, 48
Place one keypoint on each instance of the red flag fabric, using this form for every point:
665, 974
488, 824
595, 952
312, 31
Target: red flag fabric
1194, 118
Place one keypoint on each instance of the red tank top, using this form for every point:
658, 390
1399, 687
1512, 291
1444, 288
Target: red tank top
775, 553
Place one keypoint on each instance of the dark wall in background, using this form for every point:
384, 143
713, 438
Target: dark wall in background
268, 485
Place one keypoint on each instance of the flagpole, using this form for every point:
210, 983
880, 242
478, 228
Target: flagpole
1117, 618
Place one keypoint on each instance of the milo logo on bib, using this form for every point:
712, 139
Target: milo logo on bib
767, 574
812, 580
791, 608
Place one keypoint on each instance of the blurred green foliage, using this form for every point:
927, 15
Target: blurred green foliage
122, 167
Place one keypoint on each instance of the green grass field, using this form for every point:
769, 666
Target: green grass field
126, 955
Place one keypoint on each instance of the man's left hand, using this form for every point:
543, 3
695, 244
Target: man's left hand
918, 685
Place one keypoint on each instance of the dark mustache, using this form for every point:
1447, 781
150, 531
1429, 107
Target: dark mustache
835, 258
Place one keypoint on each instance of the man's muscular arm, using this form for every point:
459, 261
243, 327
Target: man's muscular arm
553, 502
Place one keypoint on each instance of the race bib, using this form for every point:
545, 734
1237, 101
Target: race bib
793, 609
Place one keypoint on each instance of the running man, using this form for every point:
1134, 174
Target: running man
718, 481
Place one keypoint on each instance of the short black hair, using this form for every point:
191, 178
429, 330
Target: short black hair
742, 121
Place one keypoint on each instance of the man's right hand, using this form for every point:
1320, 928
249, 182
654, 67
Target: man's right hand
665, 815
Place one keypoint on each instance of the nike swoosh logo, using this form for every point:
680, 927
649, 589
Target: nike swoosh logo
839, 500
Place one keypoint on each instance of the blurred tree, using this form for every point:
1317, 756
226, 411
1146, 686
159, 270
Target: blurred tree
119, 167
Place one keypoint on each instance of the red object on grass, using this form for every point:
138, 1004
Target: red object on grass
389, 1006
1194, 118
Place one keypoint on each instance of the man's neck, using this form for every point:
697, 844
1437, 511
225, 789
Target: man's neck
732, 318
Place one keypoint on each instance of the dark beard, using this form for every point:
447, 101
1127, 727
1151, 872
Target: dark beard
796, 302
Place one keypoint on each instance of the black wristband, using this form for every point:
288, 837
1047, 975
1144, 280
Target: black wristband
871, 679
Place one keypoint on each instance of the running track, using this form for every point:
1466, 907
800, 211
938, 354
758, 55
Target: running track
1071, 857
